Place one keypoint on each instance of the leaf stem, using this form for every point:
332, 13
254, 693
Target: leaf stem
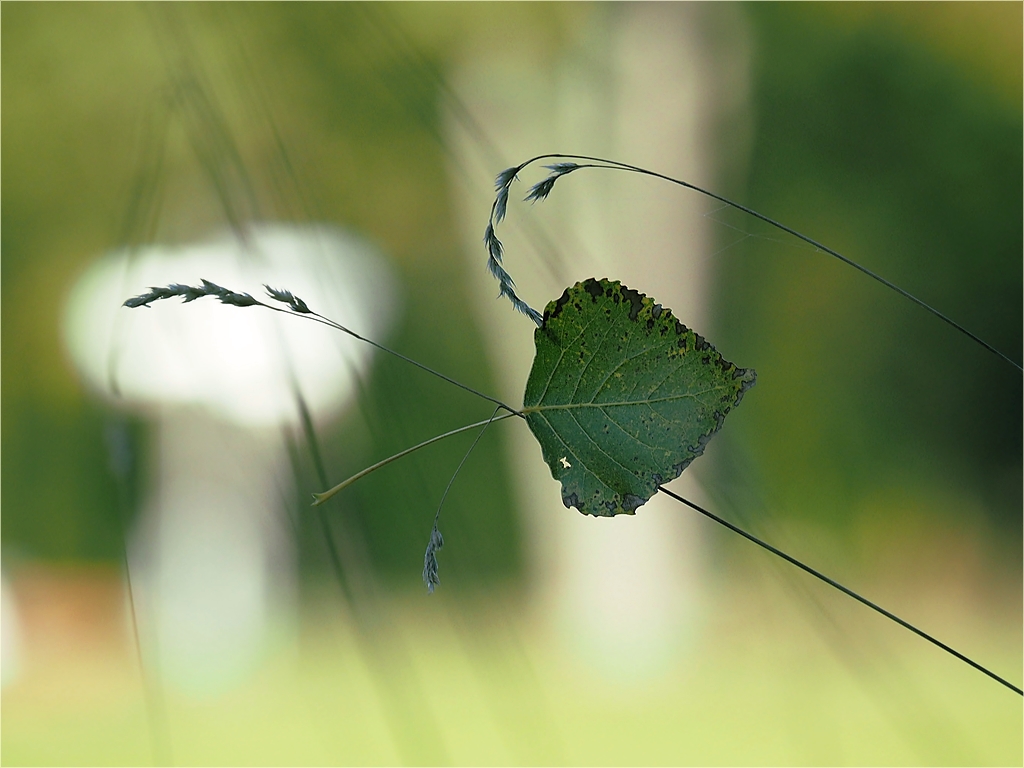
841, 588
320, 498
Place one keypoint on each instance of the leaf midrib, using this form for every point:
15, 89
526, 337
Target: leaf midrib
648, 401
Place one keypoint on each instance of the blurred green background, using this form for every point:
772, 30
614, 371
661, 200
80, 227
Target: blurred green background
877, 438
873, 128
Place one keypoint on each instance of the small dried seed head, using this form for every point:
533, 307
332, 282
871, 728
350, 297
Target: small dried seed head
287, 297
505, 178
190, 293
500, 204
430, 577
541, 189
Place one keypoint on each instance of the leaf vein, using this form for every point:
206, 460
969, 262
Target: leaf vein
593, 357
627, 360
631, 435
598, 446
561, 356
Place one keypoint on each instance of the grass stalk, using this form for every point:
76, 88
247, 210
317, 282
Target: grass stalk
320, 498
845, 590
543, 188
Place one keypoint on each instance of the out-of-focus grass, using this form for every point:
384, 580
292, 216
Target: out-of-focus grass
762, 682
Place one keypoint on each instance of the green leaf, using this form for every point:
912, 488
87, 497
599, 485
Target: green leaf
622, 396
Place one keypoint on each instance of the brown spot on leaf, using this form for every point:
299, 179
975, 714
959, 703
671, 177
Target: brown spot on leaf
635, 299
554, 309
631, 502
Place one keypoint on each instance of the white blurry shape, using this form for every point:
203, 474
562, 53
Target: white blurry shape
10, 635
211, 557
236, 362
649, 84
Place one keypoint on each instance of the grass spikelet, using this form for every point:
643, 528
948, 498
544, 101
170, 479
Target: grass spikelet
287, 297
495, 250
430, 577
189, 293
543, 188
500, 204
504, 179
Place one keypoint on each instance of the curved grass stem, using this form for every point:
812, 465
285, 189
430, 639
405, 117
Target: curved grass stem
541, 190
320, 498
296, 307
316, 317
